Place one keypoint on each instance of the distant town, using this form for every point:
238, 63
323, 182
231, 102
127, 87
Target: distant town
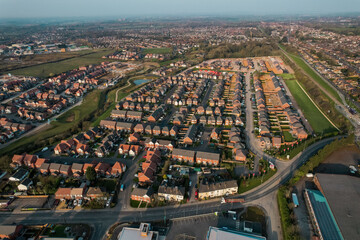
196, 129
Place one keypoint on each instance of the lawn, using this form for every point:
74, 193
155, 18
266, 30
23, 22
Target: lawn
287, 136
156, 50
300, 62
44, 70
248, 184
317, 121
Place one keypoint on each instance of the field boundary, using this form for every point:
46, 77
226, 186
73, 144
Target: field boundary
317, 105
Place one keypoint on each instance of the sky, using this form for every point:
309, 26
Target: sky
151, 8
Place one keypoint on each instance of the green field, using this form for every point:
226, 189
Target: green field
317, 121
300, 62
44, 70
156, 50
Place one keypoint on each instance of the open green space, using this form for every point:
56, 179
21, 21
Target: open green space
301, 63
48, 69
156, 50
316, 119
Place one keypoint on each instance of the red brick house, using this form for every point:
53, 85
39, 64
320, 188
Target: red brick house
142, 194
207, 158
183, 155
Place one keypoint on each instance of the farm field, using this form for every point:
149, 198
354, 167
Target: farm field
316, 119
48, 69
157, 50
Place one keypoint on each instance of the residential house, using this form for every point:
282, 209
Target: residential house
77, 169
211, 190
101, 168
65, 170
54, 168
142, 194
25, 184
190, 135
45, 168
19, 175
95, 193
134, 138
117, 169
183, 155
173, 194
207, 158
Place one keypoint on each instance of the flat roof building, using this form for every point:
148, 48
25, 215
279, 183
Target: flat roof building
215, 233
141, 233
342, 193
321, 216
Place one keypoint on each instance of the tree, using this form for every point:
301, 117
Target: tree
90, 174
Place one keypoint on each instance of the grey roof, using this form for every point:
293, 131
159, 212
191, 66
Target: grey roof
20, 173
191, 132
217, 186
118, 112
180, 191
142, 191
77, 166
342, 193
7, 229
134, 113
208, 155
26, 182
183, 152
125, 125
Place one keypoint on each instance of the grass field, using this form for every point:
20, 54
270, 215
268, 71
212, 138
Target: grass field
156, 50
300, 62
44, 70
317, 121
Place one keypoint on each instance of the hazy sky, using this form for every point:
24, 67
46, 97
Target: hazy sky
124, 8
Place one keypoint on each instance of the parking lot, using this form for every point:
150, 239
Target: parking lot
197, 227
30, 202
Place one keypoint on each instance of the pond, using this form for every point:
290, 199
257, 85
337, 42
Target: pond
141, 81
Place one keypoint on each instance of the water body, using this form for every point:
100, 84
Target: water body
140, 81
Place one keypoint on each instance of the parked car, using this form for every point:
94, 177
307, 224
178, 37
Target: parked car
122, 187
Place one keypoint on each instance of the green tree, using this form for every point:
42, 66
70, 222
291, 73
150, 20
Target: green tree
90, 174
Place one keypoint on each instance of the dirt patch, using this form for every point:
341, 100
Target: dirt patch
70, 118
